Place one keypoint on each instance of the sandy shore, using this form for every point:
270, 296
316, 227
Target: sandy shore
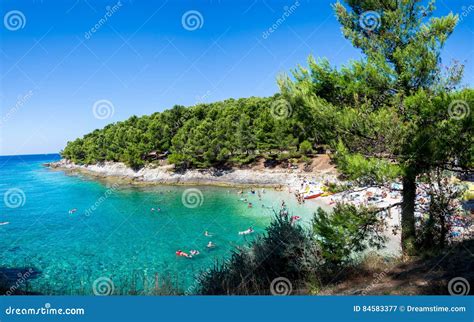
165, 175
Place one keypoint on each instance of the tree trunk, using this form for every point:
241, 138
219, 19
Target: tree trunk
408, 213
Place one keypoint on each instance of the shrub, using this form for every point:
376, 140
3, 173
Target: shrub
285, 250
306, 147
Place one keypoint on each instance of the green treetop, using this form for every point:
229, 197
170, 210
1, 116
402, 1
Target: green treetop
394, 113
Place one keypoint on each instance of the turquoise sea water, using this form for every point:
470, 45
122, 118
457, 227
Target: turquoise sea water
114, 234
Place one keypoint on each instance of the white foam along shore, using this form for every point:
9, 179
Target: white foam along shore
165, 175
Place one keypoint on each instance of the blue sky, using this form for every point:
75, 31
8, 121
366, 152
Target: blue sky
143, 60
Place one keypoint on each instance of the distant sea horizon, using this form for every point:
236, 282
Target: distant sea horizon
29, 154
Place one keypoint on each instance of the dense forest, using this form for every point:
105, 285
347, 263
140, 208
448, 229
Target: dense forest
222, 133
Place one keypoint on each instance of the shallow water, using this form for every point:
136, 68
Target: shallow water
114, 234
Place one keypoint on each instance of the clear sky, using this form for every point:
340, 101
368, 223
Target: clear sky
55, 65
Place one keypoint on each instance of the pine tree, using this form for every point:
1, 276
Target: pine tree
393, 113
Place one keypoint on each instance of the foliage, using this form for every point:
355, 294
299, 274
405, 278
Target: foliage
336, 187
297, 253
286, 250
394, 112
346, 231
306, 147
443, 207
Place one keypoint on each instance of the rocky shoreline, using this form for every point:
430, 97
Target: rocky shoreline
165, 175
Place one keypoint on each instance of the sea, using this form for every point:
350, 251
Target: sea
70, 234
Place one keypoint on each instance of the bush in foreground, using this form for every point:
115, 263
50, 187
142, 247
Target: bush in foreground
305, 257
286, 250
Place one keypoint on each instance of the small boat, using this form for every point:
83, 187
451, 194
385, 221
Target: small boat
4, 223
313, 191
312, 195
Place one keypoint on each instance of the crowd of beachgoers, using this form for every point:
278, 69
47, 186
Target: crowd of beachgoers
388, 200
